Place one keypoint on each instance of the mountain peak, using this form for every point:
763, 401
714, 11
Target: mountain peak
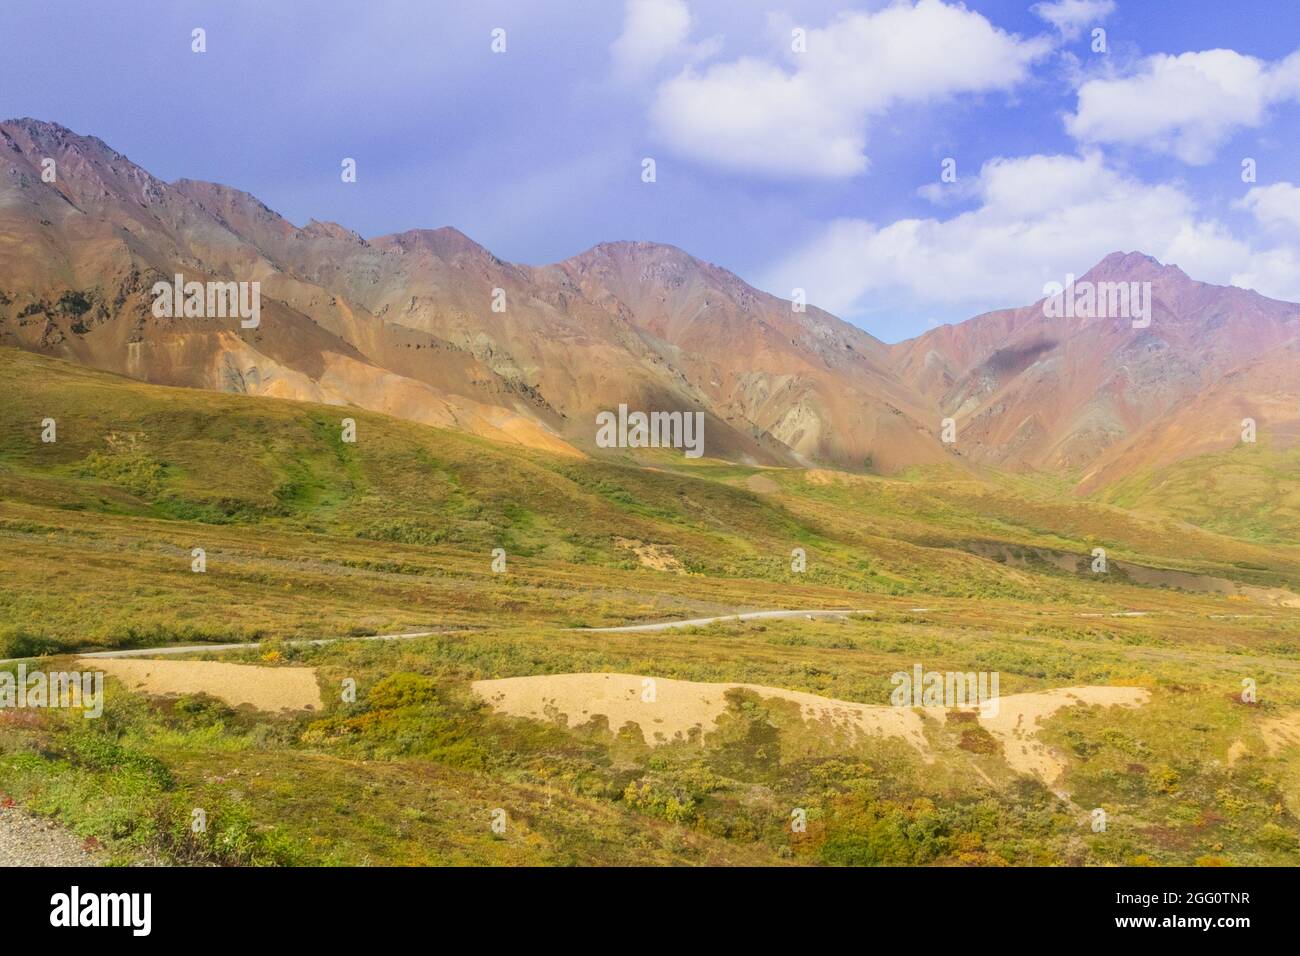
655, 261
51, 138
239, 211
200, 189
1131, 267
635, 249
318, 229
446, 242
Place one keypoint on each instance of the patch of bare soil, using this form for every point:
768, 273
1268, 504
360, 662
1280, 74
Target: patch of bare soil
653, 556
1019, 717
1280, 733
665, 710
267, 688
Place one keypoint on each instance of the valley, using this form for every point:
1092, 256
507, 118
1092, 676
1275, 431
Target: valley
379, 568
1120, 692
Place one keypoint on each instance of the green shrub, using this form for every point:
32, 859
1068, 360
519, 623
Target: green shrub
21, 643
99, 752
402, 690
136, 471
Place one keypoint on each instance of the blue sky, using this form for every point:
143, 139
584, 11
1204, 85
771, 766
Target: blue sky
817, 169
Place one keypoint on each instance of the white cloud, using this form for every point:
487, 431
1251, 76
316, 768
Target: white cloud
1186, 105
1071, 16
1038, 218
1275, 207
809, 116
1273, 272
654, 32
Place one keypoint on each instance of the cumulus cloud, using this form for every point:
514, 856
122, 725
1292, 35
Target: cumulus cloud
1071, 16
1186, 105
654, 32
808, 116
1274, 272
1275, 207
1036, 218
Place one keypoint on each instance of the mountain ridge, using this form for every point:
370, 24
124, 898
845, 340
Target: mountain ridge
429, 324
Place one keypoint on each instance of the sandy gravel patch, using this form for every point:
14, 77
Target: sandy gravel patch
1236, 751
1020, 716
266, 688
761, 484
680, 708
1281, 732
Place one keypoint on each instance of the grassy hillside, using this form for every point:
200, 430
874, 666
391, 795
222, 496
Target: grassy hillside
308, 535
1251, 492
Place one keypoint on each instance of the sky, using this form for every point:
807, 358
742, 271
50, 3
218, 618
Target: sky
800, 144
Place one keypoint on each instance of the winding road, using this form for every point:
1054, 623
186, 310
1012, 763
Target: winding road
701, 621
627, 628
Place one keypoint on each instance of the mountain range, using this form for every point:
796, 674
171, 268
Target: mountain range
429, 326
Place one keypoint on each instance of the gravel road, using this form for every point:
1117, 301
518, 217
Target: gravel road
702, 621
661, 626
26, 840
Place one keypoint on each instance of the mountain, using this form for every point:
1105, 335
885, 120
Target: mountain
640, 324
822, 387
406, 324
430, 326
80, 256
1088, 396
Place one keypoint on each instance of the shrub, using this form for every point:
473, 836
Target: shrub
99, 752
403, 690
20, 643
135, 471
